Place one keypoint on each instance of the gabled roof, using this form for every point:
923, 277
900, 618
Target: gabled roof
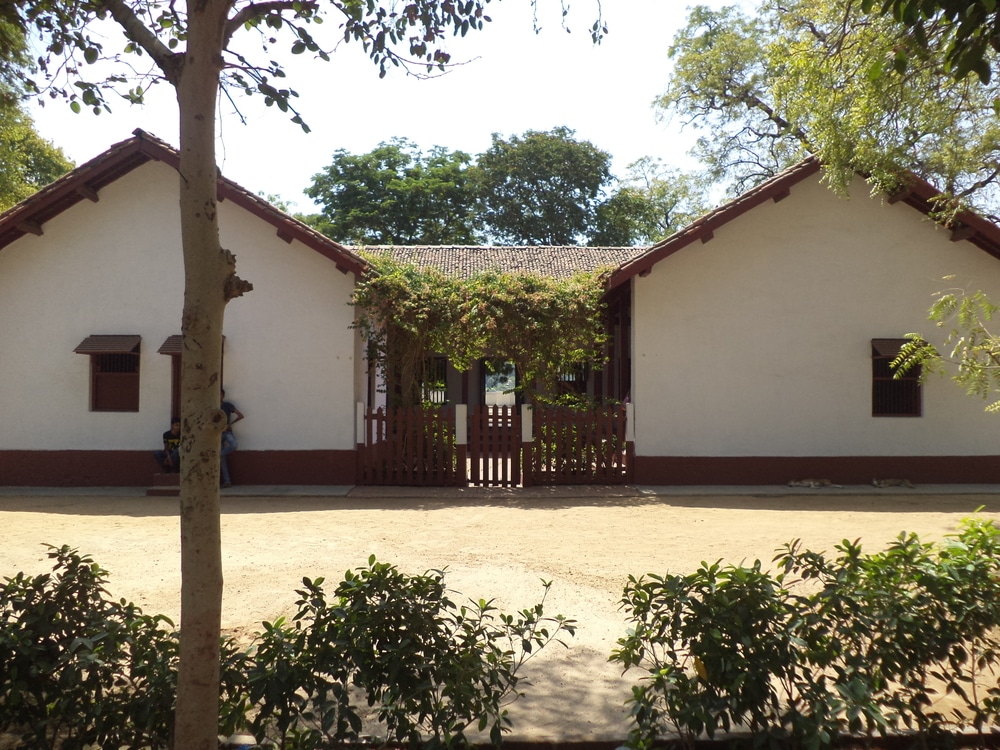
86, 181
466, 261
918, 193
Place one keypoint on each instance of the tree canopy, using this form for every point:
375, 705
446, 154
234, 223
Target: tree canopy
968, 31
809, 77
396, 194
541, 188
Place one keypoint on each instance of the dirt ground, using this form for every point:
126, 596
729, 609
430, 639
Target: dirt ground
493, 545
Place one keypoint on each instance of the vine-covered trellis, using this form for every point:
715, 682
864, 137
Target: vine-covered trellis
545, 326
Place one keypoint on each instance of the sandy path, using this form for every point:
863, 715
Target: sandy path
493, 548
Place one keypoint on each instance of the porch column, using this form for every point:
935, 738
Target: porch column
527, 437
359, 440
629, 442
461, 444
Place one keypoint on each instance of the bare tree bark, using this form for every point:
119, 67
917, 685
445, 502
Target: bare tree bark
206, 270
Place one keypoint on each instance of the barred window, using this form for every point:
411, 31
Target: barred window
114, 371
893, 396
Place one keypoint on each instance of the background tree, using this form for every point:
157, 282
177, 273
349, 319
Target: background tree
652, 202
541, 188
192, 47
968, 31
396, 194
807, 77
27, 161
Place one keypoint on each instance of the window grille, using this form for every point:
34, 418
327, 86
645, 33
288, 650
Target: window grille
893, 396
114, 371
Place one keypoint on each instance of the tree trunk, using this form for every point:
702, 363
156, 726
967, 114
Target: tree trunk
206, 271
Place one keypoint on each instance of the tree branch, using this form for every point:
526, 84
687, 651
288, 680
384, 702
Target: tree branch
167, 61
259, 10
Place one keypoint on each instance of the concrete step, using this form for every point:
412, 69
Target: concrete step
165, 485
167, 480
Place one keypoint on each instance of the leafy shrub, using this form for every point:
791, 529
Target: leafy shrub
78, 668
432, 670
715, 647
72, 659
823, 648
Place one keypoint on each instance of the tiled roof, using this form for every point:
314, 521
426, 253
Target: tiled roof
467, 260
85, 182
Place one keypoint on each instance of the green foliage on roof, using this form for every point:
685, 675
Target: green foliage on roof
543, 325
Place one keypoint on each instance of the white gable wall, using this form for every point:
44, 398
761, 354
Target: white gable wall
757, 343
115, 267
110, 267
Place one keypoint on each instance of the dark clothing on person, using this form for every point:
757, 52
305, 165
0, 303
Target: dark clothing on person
169, 458
229, 409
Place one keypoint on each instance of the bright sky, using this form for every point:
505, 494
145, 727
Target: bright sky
513, 81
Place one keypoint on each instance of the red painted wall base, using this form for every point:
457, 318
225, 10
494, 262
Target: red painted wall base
136, 468
747, 470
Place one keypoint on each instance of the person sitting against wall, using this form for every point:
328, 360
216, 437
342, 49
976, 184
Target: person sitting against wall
233, 415
169, 458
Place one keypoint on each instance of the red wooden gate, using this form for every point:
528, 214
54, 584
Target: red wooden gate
495, 446
579, 446
419, 447
410, 447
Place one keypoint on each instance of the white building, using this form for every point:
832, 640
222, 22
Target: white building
97, 254
751, 344
757, 333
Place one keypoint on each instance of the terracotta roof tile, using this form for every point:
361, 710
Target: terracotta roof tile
467, 260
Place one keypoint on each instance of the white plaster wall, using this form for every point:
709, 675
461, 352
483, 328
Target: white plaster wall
114, 267
290, 350
111, 267
757, 343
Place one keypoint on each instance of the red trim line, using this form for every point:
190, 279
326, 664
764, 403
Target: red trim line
85, 182
758, 470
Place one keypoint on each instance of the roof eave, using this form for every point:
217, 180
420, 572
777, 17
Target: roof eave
919, 194
703, 228
84, 182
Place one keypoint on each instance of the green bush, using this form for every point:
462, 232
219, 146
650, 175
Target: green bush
856, 645
78, 668
72, 659
430, 670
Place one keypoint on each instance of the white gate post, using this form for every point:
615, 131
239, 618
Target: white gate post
359, 423
461, 424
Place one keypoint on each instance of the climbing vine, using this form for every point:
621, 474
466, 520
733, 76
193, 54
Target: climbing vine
545, 326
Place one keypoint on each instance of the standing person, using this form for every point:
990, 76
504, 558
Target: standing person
233, 415
169, 458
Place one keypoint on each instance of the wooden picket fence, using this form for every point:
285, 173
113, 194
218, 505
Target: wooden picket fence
410, 447
429, 447
579, 446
